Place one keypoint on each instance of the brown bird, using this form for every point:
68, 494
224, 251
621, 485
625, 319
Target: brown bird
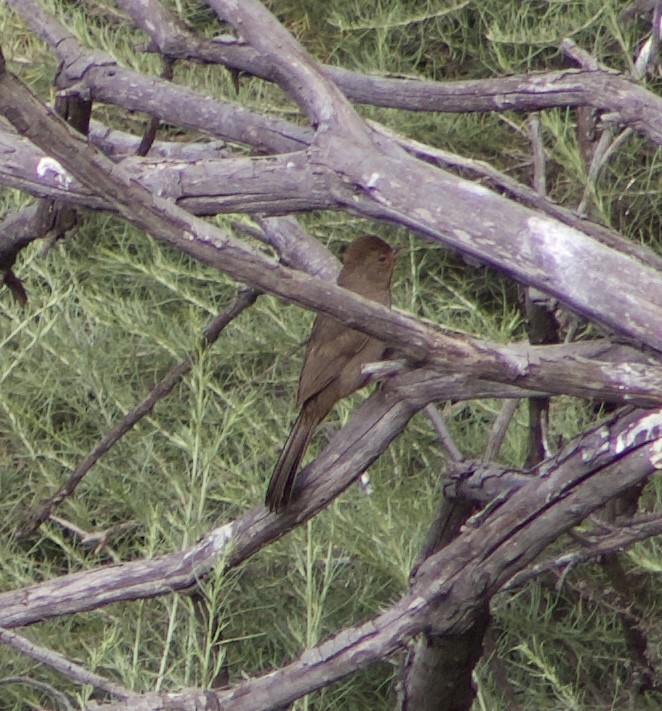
334, 356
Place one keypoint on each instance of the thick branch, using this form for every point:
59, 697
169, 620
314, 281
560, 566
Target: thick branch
406, 191
490, 551
208, 244
97, 75
204, 186
207, 186
602, 89
368, 433
376, 178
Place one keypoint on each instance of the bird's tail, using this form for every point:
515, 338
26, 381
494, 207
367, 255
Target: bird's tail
287, 466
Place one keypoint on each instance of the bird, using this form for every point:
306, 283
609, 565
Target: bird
332, 362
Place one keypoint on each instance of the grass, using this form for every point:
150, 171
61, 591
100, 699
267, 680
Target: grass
111, 311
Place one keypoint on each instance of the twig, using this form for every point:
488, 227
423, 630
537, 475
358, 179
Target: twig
498, 670
655, 36
61, 664
541, 325
581, 56
39, 686
154, 122
538, 154
243, 300
647, 55
601, 154
444, 436
613, 541
499, 429
98, 539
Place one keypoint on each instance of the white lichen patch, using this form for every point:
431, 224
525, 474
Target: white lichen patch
462, 235
630, 370
598, 444
503, 101
422, 214
51, 169
373, 180
560, 241
417, 603
222, 536
474, 188
648, 428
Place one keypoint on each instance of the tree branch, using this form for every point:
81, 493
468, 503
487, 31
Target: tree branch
536, 91
210, 245
243, 300
63, 666
373, 175
492, 548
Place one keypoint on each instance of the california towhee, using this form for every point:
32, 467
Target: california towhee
334, 356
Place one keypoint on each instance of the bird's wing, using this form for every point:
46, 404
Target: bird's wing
330, 348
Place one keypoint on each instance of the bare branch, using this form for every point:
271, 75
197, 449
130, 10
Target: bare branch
348, 164
601, 88
597, 542
444, 438
243, 300
499, 429
297, 248
494, 546
119, 143
469, 218
367, 434
203, 186
62, 665
97, 75
297, 72
540, 238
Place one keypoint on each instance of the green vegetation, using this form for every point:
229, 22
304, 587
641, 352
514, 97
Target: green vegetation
111, 311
